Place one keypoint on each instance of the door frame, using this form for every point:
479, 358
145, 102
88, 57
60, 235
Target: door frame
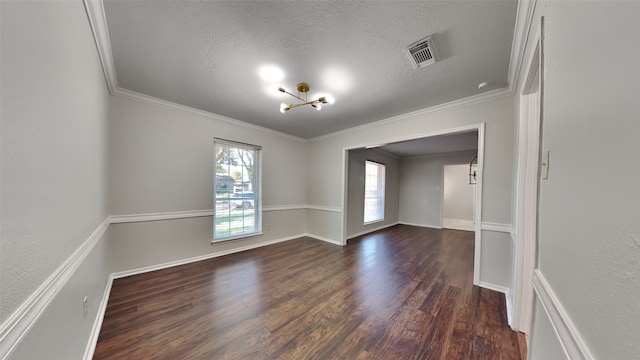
527, 184
480, 128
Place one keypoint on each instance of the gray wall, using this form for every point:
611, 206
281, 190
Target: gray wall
54, 140
325, 183
355, 190
421, 187
589, 223
162, 161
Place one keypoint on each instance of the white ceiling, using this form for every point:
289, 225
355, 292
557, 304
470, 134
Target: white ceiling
208, 55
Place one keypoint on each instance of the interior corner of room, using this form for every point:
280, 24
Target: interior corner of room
110, 113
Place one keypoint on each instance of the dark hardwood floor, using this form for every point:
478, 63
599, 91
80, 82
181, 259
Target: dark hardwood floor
400, 293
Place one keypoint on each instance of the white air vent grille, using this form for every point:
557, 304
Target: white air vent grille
422, 52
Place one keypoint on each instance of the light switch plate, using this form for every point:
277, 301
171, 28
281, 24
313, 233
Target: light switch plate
544, 166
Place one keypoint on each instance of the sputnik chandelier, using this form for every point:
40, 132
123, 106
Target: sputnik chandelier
303, 93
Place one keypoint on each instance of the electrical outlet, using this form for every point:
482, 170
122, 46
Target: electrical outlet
85, 306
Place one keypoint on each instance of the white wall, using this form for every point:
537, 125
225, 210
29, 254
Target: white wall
355, 190
421, 187
588, 247
53, 193
162, 161
458, 193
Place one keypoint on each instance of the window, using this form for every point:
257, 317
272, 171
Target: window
373, 192
237, 199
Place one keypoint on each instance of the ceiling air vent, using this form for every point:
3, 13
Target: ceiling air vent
422, 52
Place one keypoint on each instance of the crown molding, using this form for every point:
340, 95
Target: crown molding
455, 104
524, 16
139, 97
98, 22
97, 19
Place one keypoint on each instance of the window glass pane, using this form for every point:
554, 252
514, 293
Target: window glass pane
374, 192
237, 190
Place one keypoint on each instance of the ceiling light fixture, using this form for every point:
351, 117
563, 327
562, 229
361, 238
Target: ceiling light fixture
303, 93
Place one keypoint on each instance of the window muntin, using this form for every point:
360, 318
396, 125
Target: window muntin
374, 183
237, 190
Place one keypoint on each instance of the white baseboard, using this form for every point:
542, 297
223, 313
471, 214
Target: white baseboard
97, 324
322, 238
458, 224
507, 296
25, 316
420, 225
95, 331
494, 287
169, 264
568, 335
370, 230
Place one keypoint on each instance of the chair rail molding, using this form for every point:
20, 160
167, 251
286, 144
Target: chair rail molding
27, 314
570, 339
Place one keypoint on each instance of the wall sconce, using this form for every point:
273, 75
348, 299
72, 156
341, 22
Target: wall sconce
473, 174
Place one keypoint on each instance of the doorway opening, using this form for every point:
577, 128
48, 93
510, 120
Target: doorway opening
458, 200
414, 181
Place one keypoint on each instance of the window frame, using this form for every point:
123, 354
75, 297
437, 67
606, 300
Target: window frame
381, 195
255, 210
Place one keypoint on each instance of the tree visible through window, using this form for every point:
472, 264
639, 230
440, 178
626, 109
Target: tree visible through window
237, 190
373, 192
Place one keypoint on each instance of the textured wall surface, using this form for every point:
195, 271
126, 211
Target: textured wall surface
54, 110
589, 223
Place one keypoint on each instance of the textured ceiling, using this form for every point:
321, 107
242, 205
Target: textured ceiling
208, 55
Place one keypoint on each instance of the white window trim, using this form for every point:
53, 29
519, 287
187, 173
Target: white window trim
381, 185
257, 198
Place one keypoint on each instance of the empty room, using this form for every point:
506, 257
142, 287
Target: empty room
319, 179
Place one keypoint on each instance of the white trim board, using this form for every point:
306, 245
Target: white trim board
458, 224
455, 104
570, 339
420, 225
494, 287
322, 238
117, 219
381, 227
496, 227
97, 19
170, 215
324, 208
25, 316
146, 269
97, 324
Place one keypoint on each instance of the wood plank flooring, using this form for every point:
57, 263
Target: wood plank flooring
400, 293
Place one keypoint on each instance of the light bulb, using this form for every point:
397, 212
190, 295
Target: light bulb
318, 106
283, 107
330, 99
